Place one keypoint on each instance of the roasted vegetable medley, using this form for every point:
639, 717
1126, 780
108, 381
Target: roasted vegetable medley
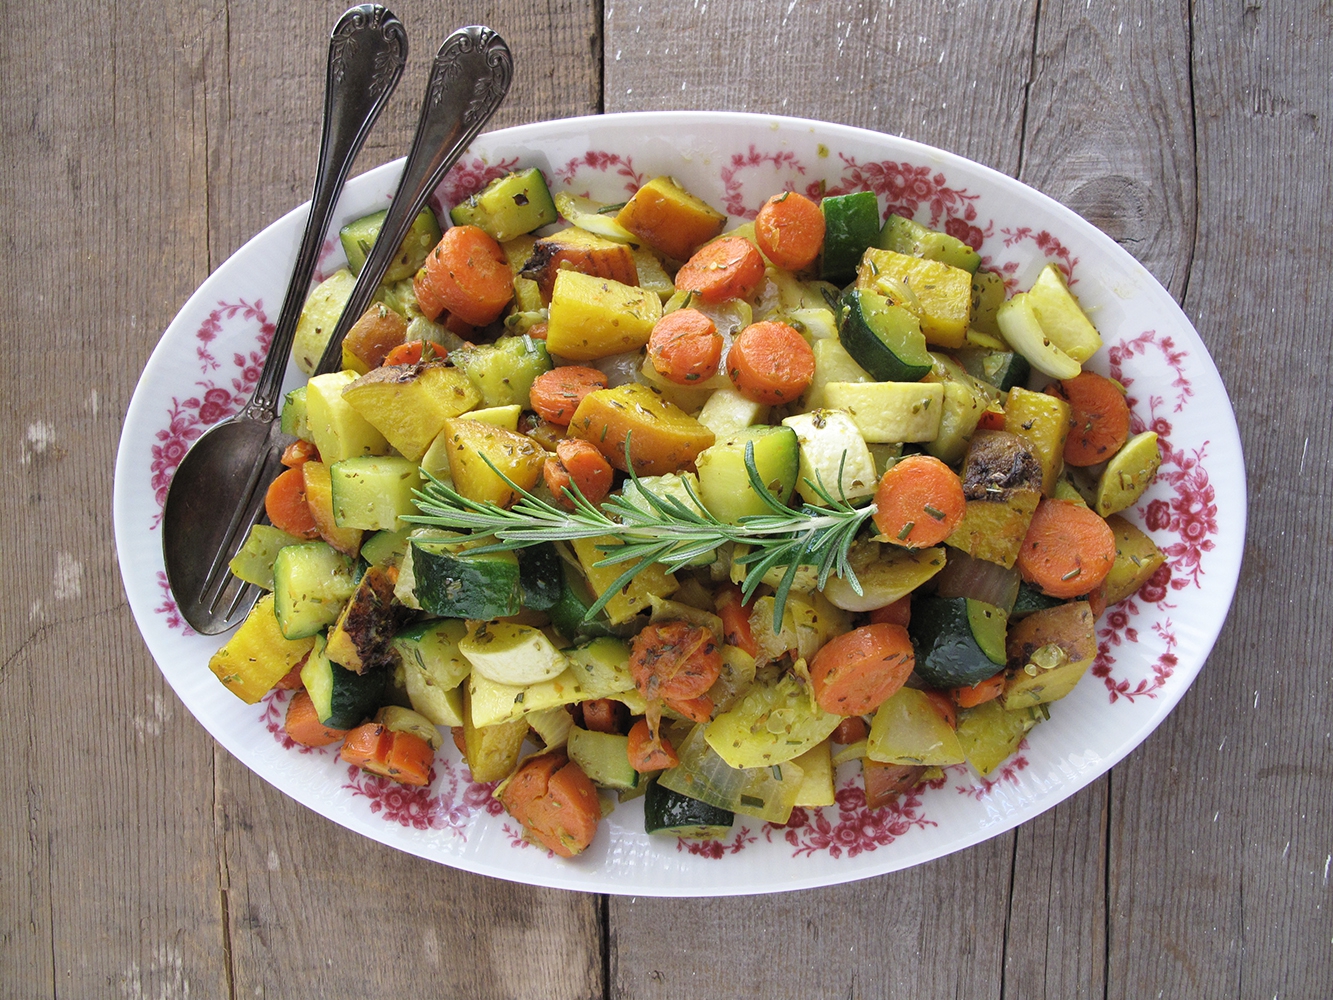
633, 503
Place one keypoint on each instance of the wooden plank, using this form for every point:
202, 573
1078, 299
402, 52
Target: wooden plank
1220, 881
1108, 133
319, 911
106, 892
314, 909
938, 930
951, 76
932, 931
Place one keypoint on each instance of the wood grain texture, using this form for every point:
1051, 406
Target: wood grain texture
101, 885
1219, 844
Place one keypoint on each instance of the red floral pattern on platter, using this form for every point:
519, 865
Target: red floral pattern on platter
1190, 514
602, 161
449, 802
855, 830
717, 849
734, 197
1006, 775
188, 418
1048, 244
906, 188
274, 719
168, 606
465, 178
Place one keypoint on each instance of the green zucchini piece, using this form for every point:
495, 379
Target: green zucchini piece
604, 758
1002, 369
851, 224
1031, 599
724, 483
373, 492
343, 698
503, 372
669, 812
988, 294
1128, 474
463, 584
434, 669
253, 563
539, 576
359, 236
294, 415
508, 206
906, 236
884, 339
567, 614
959, 641
311, 583
385, 548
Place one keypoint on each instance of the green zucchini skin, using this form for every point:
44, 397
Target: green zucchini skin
353, 697
465, 585
358, 236
884, 339
1031, 599
906, 236
948, 654
574, 601
851, 224
673, 814
540, 576
509, 206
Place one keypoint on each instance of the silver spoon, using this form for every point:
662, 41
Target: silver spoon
210, 509
222, 471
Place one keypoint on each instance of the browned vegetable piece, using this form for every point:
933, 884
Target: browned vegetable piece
1136, 560
1002, 479
576, 250
884, 783
670, 219
1048, 652
662, 437
359, 640
375, 334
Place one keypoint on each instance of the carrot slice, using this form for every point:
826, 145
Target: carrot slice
674, 661
604, 715
729, 268
771, 363
920, 501
850, 730
790, 230
298, 453
367, 744
897, 613
303, 723
979, 693
557, 394
886, 782
1099, 424
578, 463
555, 802
1068, 549
468, 274
991, 420
735, 615
647, 755
414, 352
853, 673
409, 759
291, 680
286, 506
685, 347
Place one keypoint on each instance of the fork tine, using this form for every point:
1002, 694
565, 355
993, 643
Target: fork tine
245, 597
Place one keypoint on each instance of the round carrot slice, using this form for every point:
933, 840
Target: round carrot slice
1068, 549
556, 394
647, 755
729, 268
685, 347
920, 501
468, 274
856, 672
771, 363
1099, 423
790, 230
674, 661
286, 506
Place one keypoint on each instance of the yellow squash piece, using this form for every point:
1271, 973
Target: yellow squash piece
890, 412
1044, 420
593, 317
470, 442
662, 437
989, 733
320, 314
1136, 560
771, 724
258, 655
895, 574
1062, 319
939, 295
670, 219
336, 429
907, 729
492, 751
1048, 652
409, 404
653, 580
1128, 474
994, 530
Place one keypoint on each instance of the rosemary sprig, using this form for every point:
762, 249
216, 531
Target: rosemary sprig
668, 531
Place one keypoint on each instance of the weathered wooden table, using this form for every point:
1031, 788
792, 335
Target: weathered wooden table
143, 143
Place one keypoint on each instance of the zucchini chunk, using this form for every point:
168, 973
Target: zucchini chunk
508, 206
669, 812
358, 237
311, 583
883, 339
343, 699
851, 224
959, 641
